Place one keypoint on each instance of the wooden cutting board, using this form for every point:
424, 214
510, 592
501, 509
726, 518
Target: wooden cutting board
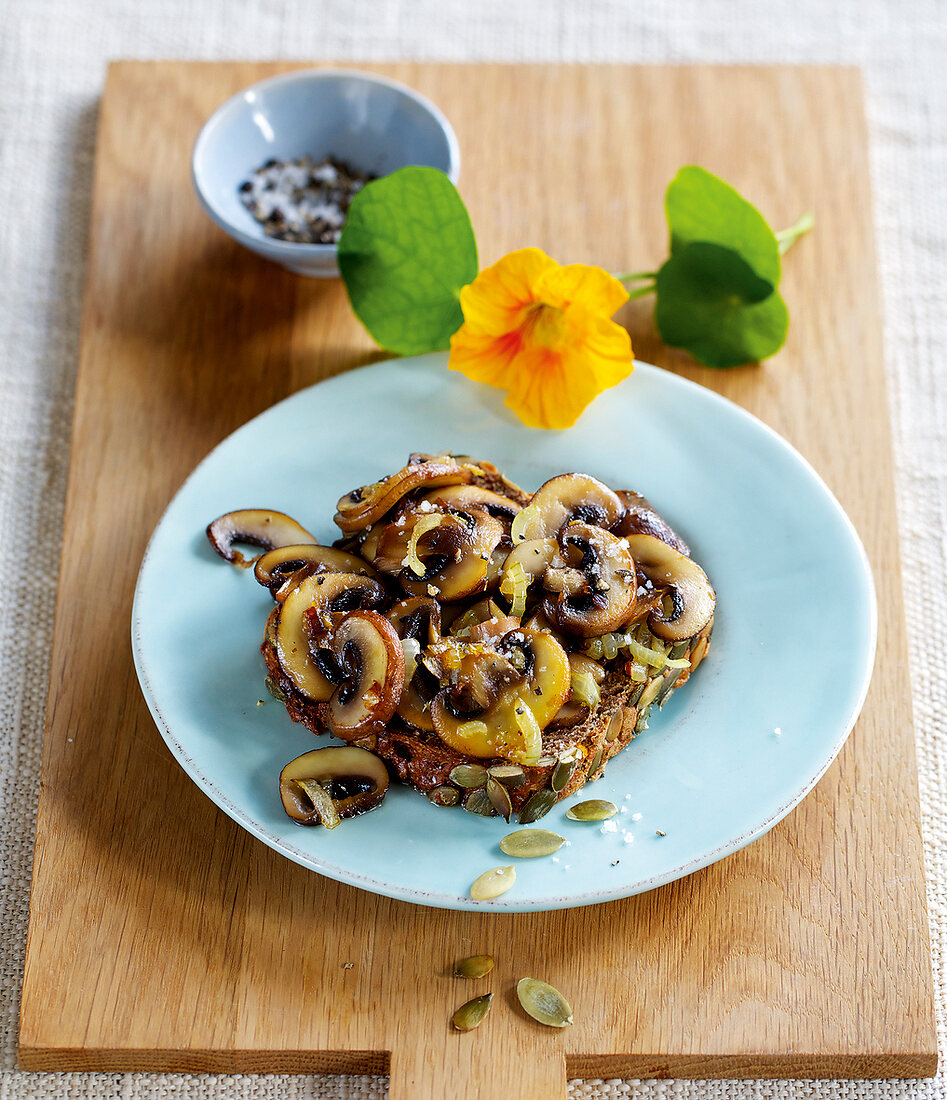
162, 936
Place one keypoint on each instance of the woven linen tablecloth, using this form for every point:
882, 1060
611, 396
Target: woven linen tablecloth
53, 55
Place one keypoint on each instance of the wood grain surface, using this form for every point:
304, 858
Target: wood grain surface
162, 936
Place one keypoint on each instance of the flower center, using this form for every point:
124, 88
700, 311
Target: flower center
542, 325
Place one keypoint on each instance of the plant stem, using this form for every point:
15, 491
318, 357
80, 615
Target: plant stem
786, 238
631, 276
641, 291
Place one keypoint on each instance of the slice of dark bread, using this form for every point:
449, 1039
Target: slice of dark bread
570, 756
576, 755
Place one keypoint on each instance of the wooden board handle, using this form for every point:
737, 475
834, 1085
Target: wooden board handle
467, 1068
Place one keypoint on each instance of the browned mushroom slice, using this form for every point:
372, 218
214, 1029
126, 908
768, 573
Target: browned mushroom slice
441, 554
365, 662
689, 589
480, 612
500, 697
273, 568
640, 518
418, 617
324, 785
364, 506
594, 589
462, 497
256, 527
321, 594
564, 498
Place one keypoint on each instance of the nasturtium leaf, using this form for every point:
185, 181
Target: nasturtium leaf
712, 304
701, 207
406, 251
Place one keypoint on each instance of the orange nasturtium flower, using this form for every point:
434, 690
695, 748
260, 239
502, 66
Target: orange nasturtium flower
544, 333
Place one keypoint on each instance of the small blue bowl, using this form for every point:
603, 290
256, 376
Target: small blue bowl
375, 124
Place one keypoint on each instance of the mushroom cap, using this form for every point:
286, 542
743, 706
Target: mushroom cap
595, 590
274, 568
442, 554
364, 506
354, 779
515, 708
564, 498
256, 527
307, 610
691, 592
369, 654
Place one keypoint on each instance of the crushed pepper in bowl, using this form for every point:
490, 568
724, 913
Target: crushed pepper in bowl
302, 200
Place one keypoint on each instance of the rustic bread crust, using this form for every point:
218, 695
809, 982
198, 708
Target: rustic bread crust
423, 761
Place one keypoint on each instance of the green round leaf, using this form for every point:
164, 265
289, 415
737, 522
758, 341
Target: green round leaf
701, 207
712, 304
406, 251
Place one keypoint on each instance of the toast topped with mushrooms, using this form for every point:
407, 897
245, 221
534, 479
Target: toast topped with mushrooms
495, 648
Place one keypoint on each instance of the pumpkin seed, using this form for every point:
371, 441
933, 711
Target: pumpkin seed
650, 693
596, 761
478, 802
642, 723
562, 774
594, 809
499, 798
476, 966
472, 1013
444, 796
615, 726
275, 690
700, 650
678, 651
510, 775
493, 883
670, 681
468, 776
537, 805
527, 843
547, 761
544, 1002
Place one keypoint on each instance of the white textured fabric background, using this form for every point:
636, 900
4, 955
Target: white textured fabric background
53, 55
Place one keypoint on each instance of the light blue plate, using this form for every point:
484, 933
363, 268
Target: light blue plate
730, 754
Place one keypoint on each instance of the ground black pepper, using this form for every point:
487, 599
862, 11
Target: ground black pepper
302, 200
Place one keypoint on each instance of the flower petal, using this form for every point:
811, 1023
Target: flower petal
580, 284
493, 300
543, 333
483, 358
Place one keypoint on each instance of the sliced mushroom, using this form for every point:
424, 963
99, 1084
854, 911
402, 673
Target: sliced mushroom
255, 527
564, 498
498, 698
442, 554
324, 785
273, 568
418, 617
363, 659
480, 612
312, 602
364, 506
689, 589
640, 518
592, 585
462, 497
